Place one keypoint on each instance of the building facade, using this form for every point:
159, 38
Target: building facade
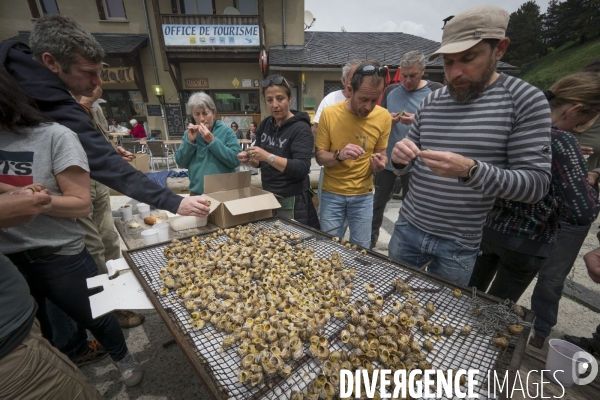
223, 47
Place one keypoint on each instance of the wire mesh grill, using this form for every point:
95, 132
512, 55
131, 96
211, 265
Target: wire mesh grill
473, 351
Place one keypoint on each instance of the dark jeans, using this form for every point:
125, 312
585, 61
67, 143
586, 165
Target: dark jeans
554, 271
68, 336
62, 280
514, 271
385, 184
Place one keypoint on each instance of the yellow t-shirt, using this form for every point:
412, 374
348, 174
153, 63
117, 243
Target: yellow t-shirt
337, 128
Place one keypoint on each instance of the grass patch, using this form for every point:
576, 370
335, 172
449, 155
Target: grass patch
544, 72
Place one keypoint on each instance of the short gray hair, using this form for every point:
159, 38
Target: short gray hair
133, 121
415, 56
349, 65
64, 38
200, 100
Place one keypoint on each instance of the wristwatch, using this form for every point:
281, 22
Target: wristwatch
336, 155
271, 159
472, 170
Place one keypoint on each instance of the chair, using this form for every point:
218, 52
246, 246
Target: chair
155, 133
130, 145
157, 150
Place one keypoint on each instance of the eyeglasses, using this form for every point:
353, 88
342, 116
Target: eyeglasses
276, 80
372, 70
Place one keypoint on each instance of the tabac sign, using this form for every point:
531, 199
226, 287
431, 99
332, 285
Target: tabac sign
211, 35
117, 75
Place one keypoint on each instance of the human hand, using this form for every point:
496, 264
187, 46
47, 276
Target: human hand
406, 118
593, 177
206, 133
592, 263
192, 132
351, 152
377, 162
395, 117
194, 206
404, 152
20, 209
126, 155
258, 154
447, 164
31, 189
587, 151
243, 157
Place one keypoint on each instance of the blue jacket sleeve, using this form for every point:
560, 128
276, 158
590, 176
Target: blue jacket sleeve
185, 152
226, 151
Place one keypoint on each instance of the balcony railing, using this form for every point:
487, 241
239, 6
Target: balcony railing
191, 19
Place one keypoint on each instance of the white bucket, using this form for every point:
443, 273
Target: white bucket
163, 231
126, 212
561, 357
150, 236
144, 210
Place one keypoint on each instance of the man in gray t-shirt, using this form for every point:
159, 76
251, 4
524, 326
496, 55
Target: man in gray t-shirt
401, 100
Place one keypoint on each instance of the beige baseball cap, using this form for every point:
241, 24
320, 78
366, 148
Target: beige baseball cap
470, 27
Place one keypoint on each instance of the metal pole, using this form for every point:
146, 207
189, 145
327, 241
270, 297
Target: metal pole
162, 108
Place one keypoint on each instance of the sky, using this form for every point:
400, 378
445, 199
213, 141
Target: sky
416, 17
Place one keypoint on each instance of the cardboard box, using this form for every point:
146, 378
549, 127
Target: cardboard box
234, 201
140, 162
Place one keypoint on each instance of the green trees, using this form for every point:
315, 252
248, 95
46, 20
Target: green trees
525, 33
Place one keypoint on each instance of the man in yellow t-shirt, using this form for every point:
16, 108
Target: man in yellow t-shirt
351, 144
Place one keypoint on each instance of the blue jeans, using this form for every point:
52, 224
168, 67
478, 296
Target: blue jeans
358, 210
552, 275
62, 280
453, 260
68, 336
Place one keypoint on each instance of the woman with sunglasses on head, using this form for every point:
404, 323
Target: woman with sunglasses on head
50, 250
283, 151
519, 240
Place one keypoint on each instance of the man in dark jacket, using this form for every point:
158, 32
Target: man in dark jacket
66, 61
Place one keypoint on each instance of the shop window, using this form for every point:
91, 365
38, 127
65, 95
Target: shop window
41, 7
247, 7
227, 102
331, 86
123, 105
197, 6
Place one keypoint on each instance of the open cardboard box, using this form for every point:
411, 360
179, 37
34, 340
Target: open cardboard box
140, 162
234, 201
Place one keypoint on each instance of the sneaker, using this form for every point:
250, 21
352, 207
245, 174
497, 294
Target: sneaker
537, 341
130, 370
582, 342
93, 353
128, 319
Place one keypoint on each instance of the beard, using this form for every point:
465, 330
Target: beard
475, 87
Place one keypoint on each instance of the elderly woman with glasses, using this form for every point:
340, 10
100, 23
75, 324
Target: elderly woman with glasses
283, 150
208, 147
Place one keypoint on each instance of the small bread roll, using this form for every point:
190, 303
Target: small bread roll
150, 220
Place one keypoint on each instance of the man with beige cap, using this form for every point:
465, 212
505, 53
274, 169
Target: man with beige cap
484, 135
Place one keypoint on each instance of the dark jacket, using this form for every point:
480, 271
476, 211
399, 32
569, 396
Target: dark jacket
55, 101
292, 140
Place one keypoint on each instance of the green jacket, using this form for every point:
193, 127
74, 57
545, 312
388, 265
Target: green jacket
218, 157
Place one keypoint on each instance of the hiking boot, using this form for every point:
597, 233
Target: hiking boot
582, 342
94, 352
128, 319
537, 341
130, 370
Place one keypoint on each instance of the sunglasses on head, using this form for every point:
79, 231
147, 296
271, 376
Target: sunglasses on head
276, 80
372, 70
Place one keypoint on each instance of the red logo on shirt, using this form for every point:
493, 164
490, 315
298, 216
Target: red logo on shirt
16, 167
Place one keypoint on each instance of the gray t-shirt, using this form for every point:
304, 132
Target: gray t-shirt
37, 154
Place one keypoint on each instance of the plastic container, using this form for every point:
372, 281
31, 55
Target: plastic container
126, 212
150, 236
181, 222
144, 210
561, 356
163, 231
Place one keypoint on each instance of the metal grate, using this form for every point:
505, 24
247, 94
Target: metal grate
331, 86
456, 352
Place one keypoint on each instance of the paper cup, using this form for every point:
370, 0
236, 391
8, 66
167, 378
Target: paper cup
126, 212
163, 231
562, 362
150, 236
144, 210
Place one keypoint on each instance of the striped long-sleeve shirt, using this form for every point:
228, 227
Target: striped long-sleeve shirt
506, 130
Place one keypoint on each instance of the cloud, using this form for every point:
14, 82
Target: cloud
405, 26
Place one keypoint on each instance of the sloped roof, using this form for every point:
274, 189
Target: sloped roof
334, 49
111, 43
